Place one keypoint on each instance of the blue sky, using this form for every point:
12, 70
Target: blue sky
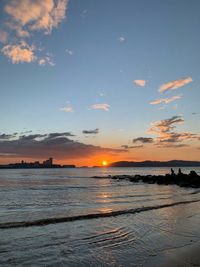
74, 62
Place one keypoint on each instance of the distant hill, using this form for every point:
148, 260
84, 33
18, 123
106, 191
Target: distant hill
148, 163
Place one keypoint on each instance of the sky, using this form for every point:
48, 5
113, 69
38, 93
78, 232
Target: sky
87, 81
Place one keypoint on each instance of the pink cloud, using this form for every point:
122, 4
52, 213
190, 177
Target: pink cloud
102, 106
173, 85
165, 100
140, 82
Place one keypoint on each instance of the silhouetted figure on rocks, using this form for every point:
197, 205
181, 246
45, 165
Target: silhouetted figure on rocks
179, 171
172, 172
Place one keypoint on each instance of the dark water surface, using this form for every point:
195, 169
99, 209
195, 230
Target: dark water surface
92, 222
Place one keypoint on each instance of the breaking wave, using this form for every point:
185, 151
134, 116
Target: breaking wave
48, 221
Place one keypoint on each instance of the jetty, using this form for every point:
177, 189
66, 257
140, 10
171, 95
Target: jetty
184, 180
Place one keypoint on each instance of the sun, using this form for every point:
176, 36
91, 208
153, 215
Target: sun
104, 163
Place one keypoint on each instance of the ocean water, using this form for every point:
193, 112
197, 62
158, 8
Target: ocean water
63, 217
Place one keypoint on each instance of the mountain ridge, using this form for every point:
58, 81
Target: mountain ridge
149, 163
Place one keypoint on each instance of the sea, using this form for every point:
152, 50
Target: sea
64, 217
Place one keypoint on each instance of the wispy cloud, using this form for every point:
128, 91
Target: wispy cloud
84, 13
101, 94
163, 126
3, 36
18, 29
132, 147
144, 140
140, 82
175, 145
165, 100
69, 52
21, 52
67, 109
102, 106
95, 131
7, 136
122, 39
47, 60
26, 132
173, 85
166, 134
165, 130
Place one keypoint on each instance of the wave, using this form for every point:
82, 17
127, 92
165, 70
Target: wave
48, 221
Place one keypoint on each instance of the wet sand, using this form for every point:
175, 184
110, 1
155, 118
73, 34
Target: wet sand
185, 256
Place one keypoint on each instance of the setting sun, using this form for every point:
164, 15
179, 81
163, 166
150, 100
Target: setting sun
104, 163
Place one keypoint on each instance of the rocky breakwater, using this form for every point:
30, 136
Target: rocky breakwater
184, 180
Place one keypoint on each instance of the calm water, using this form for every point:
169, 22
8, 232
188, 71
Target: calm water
129, 238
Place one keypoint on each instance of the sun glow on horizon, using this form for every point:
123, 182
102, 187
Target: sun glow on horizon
104, 163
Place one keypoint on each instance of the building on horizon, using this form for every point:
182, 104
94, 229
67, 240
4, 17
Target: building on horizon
48, 162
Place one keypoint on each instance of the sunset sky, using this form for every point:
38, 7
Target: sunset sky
93, 80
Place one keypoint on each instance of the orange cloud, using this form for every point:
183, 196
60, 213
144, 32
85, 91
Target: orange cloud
37, 14
19, 53
173, 85
140, 82
165, 100
25, 17
164, 129
102, 106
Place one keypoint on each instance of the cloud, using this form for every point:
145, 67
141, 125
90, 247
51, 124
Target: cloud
31, 137
175, 145
57, 145
144, 140
7, 136
21, 52
102, 106
131, 147
37, 14
165, 100
164, 129
95, 131
24, 18
47, 60
69, 52
163, 126
67, 109
20, 31
3, 36
122, 39
56, 135
26, 132
173, 85
166, 134
140, 82
84, 13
